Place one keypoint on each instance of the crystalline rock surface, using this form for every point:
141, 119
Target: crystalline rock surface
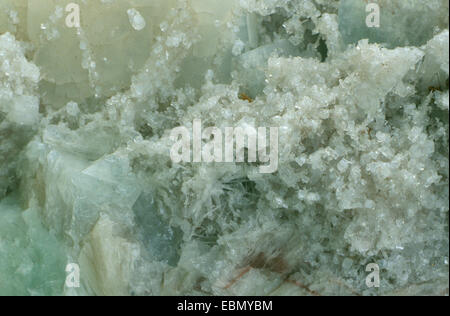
86, 175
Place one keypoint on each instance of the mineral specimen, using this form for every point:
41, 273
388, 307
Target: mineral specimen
88, 188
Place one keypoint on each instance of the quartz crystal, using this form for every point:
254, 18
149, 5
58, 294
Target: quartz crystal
87, 179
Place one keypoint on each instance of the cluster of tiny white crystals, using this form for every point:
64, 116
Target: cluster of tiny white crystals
136, 19
19, 106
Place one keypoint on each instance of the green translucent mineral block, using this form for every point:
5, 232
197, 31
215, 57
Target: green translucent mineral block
401, 23
32, 261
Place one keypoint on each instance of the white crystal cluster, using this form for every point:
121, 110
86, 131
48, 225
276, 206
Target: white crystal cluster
85, 169
19, 106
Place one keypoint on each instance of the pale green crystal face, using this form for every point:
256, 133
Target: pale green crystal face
86, 172
32, 260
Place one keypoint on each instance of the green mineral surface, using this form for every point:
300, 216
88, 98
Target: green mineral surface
86, 175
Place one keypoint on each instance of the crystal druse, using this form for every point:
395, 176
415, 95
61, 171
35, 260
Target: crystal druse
86, 175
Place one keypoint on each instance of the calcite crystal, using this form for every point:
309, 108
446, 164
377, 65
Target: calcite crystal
88, 189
